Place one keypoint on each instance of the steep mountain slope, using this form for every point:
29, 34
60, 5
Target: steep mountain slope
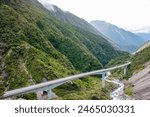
140, 73
40, 47
126, 40
2, 50
68, 17
29, 56
143, 47
140, 58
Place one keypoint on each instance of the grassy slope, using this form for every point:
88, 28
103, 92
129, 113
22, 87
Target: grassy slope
138, 60
29, 52
89, 88
41, 47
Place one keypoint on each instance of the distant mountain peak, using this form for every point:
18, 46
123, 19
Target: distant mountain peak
126, 40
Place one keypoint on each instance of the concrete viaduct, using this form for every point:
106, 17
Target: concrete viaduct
49, 85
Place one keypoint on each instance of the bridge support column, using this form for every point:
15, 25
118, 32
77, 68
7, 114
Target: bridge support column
49, 93
125, 71
103, 80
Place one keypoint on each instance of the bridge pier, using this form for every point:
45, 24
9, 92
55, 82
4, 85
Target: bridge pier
44, 94
103, 80
104, 77
125, 71
46, 87
49, 93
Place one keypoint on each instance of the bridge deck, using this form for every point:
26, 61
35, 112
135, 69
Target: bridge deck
57, 82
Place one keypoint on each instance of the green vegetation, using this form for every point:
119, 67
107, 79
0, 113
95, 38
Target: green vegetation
2, 88
147, 44
138, 60
118, 61
42, 47
70, 18
86, 88
129, 90
30, 96
25, 63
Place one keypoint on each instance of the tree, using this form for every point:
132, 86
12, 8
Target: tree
2, 89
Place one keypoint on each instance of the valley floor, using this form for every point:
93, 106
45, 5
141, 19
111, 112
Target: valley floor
141, 83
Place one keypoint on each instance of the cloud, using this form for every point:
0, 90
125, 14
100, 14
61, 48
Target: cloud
127, 14
44, 1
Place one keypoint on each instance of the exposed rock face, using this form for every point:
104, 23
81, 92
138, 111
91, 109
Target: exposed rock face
141, 83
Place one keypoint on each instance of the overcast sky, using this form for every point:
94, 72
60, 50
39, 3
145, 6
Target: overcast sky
128, 14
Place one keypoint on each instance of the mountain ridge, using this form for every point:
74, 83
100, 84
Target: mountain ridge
68, 17
126, 40
147, 44
40, 47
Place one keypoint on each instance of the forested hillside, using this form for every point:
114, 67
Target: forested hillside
70, 18
138, 60
39, 47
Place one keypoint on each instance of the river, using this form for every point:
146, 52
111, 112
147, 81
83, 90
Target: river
117, 94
